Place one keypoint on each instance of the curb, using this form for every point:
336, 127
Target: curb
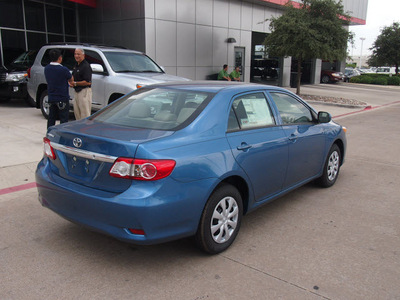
339, 104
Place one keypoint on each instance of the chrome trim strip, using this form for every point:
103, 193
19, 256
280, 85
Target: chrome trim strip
84, 153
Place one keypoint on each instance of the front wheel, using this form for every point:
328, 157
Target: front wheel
331, 167
44, 104
221, 219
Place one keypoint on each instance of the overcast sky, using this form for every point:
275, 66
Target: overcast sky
380, 13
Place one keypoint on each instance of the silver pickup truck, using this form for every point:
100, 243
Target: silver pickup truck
116, 71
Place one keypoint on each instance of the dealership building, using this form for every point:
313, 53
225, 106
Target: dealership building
189, 38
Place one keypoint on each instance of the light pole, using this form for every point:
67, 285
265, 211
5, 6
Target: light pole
362, 41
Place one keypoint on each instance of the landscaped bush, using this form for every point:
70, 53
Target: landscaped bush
394, 80
355, 79
366, 79
380, 79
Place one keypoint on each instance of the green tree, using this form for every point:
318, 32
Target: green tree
386, 48
313, 29
373, 61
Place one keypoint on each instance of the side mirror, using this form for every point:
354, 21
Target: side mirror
324, 117
96, 68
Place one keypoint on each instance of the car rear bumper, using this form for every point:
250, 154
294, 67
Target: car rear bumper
163, 211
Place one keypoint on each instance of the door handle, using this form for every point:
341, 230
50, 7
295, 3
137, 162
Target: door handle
244, 147
293, 138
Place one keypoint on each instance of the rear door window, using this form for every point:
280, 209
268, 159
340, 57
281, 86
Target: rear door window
69, 61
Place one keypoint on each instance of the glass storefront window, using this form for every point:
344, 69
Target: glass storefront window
11, 14
54, 38
69, 22
36, 40
13, 43
34, 16
46, 21
54, 19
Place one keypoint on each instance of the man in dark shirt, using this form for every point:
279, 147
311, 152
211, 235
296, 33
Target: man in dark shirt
82, 73
57, 77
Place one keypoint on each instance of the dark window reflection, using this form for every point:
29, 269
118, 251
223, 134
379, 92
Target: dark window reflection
54, 19
71, 39
57, 2
11, 14
34, 15
46, 58
53, 38
69, 22
94, 58
13, 44
69, 59
36, 40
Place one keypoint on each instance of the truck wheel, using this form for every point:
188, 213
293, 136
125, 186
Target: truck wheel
44, 104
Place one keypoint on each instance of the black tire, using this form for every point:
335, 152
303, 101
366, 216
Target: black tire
325, 79
331, 167
29, 101
225, 202
44, 105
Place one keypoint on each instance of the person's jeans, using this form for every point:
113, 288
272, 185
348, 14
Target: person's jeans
58, 110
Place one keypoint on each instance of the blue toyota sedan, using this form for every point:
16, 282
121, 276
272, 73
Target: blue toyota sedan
175, 160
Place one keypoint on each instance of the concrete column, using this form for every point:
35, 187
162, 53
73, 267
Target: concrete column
285, 64
316, 65
341, 65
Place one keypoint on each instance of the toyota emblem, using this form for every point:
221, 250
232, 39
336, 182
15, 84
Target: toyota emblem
77, 142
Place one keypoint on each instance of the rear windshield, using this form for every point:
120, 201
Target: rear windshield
158, 108
122, 62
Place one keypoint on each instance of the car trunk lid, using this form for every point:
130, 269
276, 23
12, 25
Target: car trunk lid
86, 150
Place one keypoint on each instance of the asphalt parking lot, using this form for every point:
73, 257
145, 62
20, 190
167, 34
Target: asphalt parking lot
336, 243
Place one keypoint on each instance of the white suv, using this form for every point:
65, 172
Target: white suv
116, 71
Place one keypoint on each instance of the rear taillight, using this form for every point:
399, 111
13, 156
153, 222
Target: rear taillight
29, 72
142, 169
48, 149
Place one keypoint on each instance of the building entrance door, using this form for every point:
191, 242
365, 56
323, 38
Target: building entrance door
239, 61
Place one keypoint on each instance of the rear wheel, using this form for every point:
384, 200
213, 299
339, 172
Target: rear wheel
44, 104
221, 219
331, 167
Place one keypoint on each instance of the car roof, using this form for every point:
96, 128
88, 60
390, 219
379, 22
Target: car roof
216, 86
103, 48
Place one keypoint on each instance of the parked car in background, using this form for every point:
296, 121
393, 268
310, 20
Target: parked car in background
349, 73
169, 161
266, 68
116, 72
13, 78
331, 76
386, 70
365, 71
